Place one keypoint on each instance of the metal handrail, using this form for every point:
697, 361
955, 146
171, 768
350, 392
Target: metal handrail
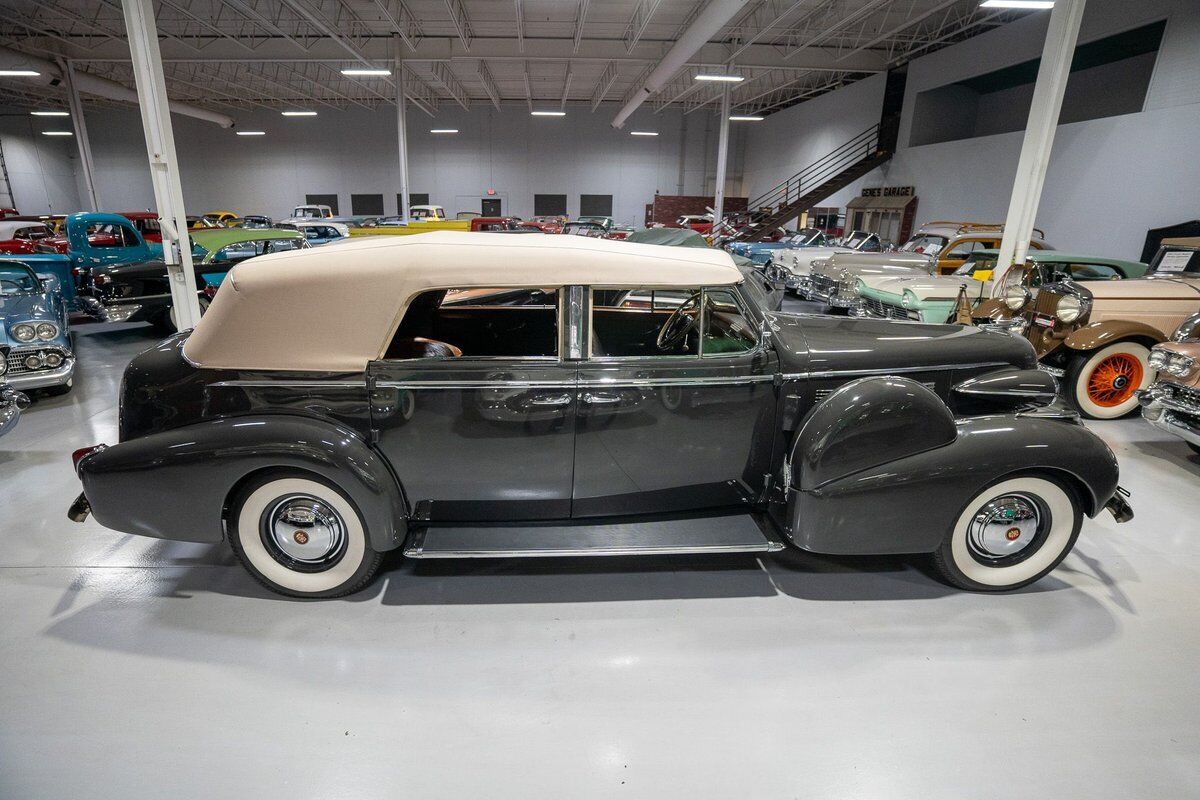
820, 171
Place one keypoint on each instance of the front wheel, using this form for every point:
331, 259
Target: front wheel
1102, 384
1010, 535
301, 537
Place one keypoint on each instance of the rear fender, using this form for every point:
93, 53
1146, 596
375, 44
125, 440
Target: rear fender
176, 484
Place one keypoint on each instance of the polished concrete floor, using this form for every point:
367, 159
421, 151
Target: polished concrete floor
132, 668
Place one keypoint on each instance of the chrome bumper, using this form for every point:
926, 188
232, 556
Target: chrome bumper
1174, 416
40, 379
11, 403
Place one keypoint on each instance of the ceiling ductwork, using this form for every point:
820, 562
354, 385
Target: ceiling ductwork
94, 85
706, 25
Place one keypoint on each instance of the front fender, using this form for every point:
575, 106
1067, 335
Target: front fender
1099, 334
175, 484
909, 497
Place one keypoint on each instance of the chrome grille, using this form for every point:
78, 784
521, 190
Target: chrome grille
824, 283
878, 308
1182, 394
1046, 303
16, 360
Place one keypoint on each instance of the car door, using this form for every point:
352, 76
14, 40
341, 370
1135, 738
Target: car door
681, 428
474, 407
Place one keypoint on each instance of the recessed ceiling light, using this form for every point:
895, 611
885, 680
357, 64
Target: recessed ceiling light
18, 73
745, 118
298, 113
57, 133
365, 71
50, 113
1026, 4
721, 78
251, 133
443, 130
548, 113
643, 133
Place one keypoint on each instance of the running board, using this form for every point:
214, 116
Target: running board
737, 533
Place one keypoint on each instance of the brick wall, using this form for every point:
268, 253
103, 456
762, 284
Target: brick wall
667, 208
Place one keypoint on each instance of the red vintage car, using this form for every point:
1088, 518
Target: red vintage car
146, 223
5, 213
494, 223
22, 236
546, 224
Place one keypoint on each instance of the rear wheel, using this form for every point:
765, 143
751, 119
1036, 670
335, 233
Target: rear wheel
1010, 535
301, 537
1101, 384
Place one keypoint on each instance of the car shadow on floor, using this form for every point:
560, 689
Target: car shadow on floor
1174, 451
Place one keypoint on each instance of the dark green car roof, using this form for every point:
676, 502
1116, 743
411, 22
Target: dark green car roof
1059, 257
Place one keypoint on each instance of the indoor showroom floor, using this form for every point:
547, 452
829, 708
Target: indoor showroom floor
136, 668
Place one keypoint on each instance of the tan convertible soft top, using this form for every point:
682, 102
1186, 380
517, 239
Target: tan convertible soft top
335, 308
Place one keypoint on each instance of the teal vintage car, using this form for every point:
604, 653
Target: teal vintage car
932, 298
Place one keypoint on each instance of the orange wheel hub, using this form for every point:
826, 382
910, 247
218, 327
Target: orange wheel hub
1114, 380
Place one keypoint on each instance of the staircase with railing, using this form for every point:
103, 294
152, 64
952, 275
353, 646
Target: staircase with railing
820, 179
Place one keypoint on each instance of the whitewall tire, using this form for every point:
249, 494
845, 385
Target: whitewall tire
1010, 535
301, 537
1102, 384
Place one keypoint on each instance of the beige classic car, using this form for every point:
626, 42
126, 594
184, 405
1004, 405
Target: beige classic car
1098, 336
1172, 403
834, 278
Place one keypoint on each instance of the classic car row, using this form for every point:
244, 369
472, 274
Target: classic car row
532, 409
1092, 320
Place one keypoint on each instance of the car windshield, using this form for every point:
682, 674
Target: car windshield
17, 279
422, 213
975, 263
307, 213
583, 229
806, 236
926, 243
1173, 260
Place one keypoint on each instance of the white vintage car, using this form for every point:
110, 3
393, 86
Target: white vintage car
833, 280
796, 262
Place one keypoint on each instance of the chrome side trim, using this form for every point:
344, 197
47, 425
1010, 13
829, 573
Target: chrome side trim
290, 384
580, 384
837, 373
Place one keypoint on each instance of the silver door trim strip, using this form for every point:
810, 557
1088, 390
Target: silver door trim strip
836, 373
290, 384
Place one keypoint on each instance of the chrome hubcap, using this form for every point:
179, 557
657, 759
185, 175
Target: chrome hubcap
1004, 527
304, 529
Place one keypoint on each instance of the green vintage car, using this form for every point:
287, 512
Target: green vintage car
931, 298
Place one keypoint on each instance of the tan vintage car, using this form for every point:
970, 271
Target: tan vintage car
1098, 337
1172, 403
952, 243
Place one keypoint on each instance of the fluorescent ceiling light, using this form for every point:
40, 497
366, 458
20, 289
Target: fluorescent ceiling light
745, 118
548, 113
50, 113
298, 113
1027, 4
443, 130
18, 73
365, 71
643, 133
57, 133
721, 78
251, 133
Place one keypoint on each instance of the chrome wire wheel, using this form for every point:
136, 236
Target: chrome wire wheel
1007, 529
303, 533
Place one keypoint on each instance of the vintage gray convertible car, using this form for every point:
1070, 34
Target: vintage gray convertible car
533, 409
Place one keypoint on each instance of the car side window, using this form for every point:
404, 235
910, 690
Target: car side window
508, 322
962, 249
726, 328
1093, 272
638, 322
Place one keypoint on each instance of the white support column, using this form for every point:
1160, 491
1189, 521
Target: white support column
401, 128
81, 134
1053, 72
722, 159
164, 166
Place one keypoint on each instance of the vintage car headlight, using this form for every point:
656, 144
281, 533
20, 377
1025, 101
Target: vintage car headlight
1158, 359
24, 333
53, 360
908, 299
46, 331
1180, 365
1070, 308
3, 364
1015, 297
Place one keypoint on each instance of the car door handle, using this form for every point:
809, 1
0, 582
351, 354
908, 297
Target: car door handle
554, 400
600, 399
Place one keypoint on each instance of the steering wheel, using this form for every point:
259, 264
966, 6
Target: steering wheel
679, 324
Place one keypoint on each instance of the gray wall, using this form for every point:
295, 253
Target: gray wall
345, 152
1108, 181
40, 168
